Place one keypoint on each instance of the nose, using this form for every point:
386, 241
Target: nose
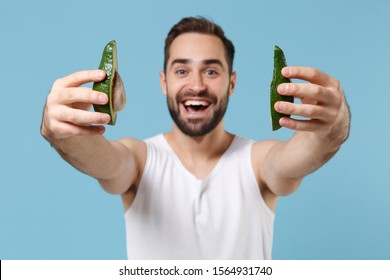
196, 83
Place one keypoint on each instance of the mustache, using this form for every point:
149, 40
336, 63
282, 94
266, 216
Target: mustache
202, 94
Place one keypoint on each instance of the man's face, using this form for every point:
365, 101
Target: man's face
197, 83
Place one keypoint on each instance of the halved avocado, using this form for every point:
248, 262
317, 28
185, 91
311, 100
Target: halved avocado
277, 79
112, 84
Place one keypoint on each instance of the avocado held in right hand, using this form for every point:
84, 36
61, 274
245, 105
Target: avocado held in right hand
112, 85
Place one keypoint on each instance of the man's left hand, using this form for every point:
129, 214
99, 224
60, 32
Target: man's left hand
323, 105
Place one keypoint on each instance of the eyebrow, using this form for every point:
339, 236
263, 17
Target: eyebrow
204, 62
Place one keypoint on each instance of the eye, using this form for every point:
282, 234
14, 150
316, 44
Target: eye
181, 72
211, 72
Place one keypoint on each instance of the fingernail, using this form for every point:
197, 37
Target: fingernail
102, 98
279, 106
286, 71
101, 74
105, 118
282, 88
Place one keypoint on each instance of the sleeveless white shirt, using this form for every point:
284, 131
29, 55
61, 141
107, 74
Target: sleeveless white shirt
177, 216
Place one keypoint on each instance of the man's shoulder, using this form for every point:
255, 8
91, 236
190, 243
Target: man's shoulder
260, 150
136, 143
154, 139
136, 147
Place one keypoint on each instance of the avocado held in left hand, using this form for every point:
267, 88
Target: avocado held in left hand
277, 79
112, 84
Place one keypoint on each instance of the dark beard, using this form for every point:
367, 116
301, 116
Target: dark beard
195, 128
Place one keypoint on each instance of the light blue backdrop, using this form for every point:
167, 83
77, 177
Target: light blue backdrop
48, 210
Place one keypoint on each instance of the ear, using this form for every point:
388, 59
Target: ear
232, 84
163, 82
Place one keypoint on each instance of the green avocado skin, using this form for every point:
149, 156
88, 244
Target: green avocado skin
108, 63
277, 79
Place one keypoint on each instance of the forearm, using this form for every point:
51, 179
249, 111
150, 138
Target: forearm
304, 153
92, 155
307, 151
289, 162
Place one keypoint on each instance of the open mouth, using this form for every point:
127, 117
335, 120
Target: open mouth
195, 106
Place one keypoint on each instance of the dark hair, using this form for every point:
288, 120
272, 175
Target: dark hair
203, 26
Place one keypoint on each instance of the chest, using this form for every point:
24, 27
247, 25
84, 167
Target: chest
199, 169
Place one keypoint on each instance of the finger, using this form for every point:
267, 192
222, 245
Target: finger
81, 95
81, 117
306, 90
303, 110
79, 78
301, 125
311, 75
81, 106
61, 130
90, 130
74, 130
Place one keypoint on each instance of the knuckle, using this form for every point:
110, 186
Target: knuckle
338, 85
57, 130
72, 78
96, 118
53, 96
293, 88
293, 124
93, 95
50, 99
315, 74
310, 111
45, 129
49, 116
323, 114
100, 118
333, 114
63, 116
316, 90
291, 109
56, 96
295, 71
57, 83
71, 95
337, 99
71, 118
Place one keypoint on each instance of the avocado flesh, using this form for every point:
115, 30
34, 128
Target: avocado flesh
112, 85
277, 79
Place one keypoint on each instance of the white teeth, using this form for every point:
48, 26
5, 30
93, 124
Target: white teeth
196, 103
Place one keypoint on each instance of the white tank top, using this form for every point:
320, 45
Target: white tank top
177, 216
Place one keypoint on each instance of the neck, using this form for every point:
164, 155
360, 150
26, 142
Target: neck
209, 146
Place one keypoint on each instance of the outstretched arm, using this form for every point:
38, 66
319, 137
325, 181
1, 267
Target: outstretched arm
77, 134
318, 137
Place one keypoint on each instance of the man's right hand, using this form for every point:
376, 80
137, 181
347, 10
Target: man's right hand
66, 111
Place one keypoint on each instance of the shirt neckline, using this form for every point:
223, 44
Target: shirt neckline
216, 167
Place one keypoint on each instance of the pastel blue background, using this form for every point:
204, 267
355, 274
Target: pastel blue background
48, 210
